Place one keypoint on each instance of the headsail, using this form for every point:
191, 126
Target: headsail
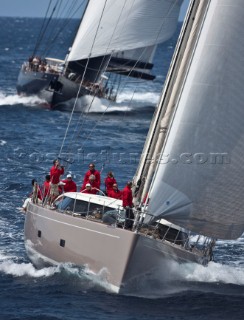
110, 26
198, 183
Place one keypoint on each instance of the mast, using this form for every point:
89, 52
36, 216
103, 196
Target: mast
173, 83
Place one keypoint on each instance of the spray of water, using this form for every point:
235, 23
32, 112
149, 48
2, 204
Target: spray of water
15, 99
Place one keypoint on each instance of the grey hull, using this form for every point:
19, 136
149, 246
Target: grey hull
44, 85
126, 255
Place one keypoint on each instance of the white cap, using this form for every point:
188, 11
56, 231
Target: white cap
88, 185
69, 176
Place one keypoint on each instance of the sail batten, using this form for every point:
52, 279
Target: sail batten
111, 26
198, 182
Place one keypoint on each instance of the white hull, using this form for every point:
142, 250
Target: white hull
126, 255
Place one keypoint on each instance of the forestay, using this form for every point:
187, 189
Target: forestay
199, 181
110, 26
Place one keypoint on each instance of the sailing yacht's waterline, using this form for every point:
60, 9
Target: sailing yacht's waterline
203, 196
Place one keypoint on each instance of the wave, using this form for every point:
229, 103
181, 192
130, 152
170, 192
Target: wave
25, 269
189, 277
82, 276
213, 273
126, 102
89, 104
94, 105
15, 99
150, 98
182, 277
3, 142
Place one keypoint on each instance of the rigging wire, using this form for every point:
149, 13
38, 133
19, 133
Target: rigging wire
55, 21
42, 27
76, 133
61, 25
81, 83
97, 122
41, 35
131, 99
99, 70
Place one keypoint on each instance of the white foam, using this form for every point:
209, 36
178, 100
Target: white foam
100, 279
2, 142
145, 97
213, 273
89, 104
87, 278
16, 99
10, 267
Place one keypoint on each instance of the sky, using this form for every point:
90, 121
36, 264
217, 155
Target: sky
37, 8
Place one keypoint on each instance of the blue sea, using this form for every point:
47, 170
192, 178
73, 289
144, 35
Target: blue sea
113, 137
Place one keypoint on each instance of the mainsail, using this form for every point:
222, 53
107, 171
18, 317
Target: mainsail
198, 183
110, 26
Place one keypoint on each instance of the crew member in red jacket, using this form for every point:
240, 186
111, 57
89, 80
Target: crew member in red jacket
128, 204
94, 172
87, 189
115, 192
109, 182
55, 172
127, 195
69, 184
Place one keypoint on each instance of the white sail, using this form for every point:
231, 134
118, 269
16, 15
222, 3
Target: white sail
110, 26
198, 183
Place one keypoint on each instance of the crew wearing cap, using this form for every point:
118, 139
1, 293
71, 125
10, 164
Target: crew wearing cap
68, 184
88, 189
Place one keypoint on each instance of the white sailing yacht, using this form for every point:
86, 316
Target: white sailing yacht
116, 36
189, 180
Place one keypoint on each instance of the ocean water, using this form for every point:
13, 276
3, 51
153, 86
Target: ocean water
30, 138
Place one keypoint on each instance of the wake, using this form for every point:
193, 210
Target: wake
182, 277
82, 275
10, 100
213, 273
9, 267
126, 102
